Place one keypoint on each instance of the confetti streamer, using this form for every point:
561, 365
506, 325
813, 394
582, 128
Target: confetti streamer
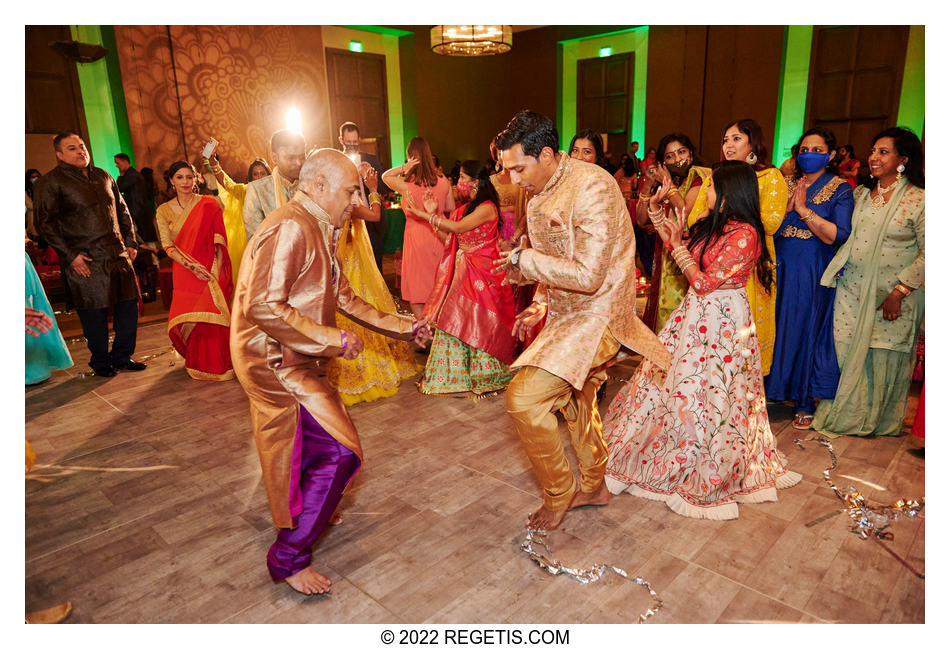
548, 562
869, 521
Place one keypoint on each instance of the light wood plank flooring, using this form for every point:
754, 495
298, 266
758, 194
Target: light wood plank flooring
157, 514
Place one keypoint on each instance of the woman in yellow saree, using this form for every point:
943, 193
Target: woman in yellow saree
384, 362
231, 197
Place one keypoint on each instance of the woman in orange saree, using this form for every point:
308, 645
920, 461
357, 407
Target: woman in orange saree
470, 309
191, 229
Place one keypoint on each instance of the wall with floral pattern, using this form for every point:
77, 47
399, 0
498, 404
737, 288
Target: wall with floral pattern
184, 84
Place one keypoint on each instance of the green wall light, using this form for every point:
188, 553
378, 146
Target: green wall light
103, 98
792, 90
605, 51
356, 46
910, 112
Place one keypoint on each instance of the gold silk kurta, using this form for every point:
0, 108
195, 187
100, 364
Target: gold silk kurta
283, 330
583, 256
773, 199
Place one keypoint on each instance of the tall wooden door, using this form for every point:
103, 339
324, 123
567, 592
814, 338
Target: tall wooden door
357, 83
855, 83
605, 99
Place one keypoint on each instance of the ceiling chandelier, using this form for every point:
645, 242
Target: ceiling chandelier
470, 40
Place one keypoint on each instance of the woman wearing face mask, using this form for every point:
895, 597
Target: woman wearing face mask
672, 185
878, 275
697, 436
470, 309
818, 221
191, 230
743, 140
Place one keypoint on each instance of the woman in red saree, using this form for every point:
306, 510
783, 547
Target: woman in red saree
191, 228
470, 309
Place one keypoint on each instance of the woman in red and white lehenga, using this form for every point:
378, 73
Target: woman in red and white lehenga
697, 437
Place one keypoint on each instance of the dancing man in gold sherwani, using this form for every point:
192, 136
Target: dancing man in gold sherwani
283, 330
582, 257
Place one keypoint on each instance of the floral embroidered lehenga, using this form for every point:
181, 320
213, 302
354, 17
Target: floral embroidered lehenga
697, 437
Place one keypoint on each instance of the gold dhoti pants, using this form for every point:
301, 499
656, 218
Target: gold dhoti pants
533, 397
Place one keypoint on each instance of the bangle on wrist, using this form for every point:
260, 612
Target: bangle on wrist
903, 289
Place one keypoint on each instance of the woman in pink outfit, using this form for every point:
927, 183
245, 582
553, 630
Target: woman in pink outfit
422, 246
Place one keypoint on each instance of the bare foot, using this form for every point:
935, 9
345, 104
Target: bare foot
336, 519
309, 582
546, 519
597, 498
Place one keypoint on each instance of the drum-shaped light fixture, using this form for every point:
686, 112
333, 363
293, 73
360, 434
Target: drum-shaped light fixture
470, 40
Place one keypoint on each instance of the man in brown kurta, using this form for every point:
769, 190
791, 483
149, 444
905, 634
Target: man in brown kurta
283, 331
80, 211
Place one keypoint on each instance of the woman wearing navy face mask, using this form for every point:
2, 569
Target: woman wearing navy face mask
820, 204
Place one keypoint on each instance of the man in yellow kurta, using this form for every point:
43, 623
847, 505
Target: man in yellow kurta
283, 330
582, 255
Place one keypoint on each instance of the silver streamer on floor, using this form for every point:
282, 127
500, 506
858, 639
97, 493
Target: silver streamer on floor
548, 562
869, 521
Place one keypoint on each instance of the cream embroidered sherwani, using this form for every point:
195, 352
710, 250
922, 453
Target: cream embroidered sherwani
583, 257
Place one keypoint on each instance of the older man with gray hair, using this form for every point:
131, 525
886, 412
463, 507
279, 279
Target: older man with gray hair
283, 330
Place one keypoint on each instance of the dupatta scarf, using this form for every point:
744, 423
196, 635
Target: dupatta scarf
194, 300
469, 301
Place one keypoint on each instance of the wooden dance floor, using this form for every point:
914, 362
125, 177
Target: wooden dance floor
147, 506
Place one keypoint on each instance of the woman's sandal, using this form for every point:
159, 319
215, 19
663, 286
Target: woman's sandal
802, 421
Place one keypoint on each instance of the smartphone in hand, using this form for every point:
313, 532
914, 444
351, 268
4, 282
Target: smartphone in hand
208, 151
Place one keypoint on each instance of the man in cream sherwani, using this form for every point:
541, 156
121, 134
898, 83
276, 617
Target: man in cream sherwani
582, 255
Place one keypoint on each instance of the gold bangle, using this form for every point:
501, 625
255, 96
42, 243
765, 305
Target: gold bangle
903, 289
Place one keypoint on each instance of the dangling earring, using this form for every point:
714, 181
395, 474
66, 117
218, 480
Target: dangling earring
752, 158
900, 170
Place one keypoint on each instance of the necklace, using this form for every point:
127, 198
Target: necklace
878, 201
188, 202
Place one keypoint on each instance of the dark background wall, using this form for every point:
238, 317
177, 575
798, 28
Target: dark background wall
232, 82
461, 103
698, 79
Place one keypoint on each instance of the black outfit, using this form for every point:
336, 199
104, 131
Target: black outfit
79, 214
135, 194
376, 229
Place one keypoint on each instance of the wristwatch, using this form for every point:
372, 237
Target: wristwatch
515, 256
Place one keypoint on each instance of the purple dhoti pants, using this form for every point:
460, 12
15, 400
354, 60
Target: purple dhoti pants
325, 468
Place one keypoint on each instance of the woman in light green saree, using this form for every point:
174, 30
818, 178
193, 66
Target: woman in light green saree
879, 301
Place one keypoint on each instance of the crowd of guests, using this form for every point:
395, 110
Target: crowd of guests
520, 274
804, 287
